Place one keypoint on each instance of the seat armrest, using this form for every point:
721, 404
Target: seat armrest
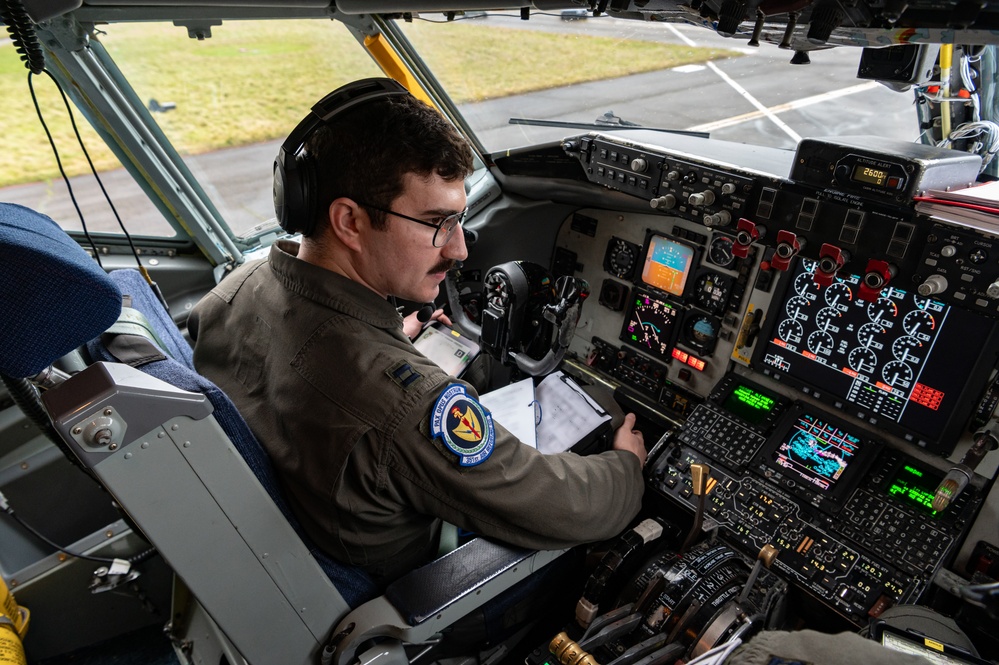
433, 597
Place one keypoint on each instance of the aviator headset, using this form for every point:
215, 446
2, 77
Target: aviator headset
295, 170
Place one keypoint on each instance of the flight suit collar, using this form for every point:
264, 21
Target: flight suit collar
331, 289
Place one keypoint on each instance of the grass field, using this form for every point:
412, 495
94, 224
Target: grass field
252, 81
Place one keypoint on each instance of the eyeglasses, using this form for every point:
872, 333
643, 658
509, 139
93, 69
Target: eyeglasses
444, 226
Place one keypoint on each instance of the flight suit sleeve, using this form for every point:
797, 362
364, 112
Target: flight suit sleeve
517, 494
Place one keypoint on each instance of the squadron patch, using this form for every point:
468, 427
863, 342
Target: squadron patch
463, 425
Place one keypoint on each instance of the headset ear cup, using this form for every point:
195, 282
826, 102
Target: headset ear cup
278, 192
294, 192
306, 182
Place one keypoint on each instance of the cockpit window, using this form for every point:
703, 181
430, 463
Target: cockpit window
523, 82
225, 103
29, 171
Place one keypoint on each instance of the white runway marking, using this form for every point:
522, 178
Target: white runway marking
739, 89
781, 108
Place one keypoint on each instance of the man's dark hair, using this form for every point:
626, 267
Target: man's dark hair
365, 153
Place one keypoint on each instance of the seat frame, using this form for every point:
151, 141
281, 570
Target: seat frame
170, 465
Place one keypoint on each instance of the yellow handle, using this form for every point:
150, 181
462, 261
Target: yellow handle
13, 626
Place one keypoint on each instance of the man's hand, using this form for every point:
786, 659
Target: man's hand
630, 439
412, 326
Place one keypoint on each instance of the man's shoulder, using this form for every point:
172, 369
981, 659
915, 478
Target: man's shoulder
230, 285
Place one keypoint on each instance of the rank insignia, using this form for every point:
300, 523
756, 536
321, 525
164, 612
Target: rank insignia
463, 425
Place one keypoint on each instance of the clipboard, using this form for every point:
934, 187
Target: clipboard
516, 408
571, 419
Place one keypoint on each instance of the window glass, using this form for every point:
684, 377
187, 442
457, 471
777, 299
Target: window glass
225, 103
29, 172
573, 67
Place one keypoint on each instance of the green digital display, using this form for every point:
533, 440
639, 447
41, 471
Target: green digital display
748, 404
914, 487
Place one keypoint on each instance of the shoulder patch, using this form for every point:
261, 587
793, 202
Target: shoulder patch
404, 374
463, 426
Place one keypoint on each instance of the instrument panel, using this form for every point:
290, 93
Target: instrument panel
776, 324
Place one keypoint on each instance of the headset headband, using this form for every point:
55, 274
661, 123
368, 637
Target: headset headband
294, 176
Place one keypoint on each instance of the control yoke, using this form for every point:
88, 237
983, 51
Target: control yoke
521, 312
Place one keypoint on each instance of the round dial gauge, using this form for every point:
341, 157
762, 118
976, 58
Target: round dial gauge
804, 284
720, 251
839, 296
790, 330
797, 307
906, 348
897, 374
827, 317
862, 360
621, 258
919, 323
867, 333
821, 343
701, 332
882, 309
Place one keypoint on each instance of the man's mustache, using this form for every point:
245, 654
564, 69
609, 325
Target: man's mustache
445, 265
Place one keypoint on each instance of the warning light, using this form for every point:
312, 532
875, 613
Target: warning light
688, 359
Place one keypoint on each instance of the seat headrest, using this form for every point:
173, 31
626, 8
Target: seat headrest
53, 298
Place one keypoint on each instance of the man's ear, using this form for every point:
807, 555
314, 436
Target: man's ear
346, 220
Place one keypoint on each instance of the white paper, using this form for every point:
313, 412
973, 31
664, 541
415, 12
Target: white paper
513, 406
568, 414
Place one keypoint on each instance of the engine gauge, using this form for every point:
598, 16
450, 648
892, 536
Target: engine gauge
907, 349
790, 331
720, 251
821, 343
919, 324
700, 331
882, 309
867, 334
828, 317
897, 374
805, 285
797, 307
838, 295
863, 360
621, 258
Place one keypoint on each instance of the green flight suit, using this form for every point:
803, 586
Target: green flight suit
319, 367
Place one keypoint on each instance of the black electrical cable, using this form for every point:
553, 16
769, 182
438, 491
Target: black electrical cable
22, 33
132, 560
65, 178
100, 183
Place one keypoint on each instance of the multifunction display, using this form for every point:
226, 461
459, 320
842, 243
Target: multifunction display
816, 452
900, 359
651, 324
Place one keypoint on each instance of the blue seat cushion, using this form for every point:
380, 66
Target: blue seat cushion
54, 297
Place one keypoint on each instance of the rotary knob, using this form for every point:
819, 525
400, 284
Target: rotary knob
639, 165
705, 198
665, 202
